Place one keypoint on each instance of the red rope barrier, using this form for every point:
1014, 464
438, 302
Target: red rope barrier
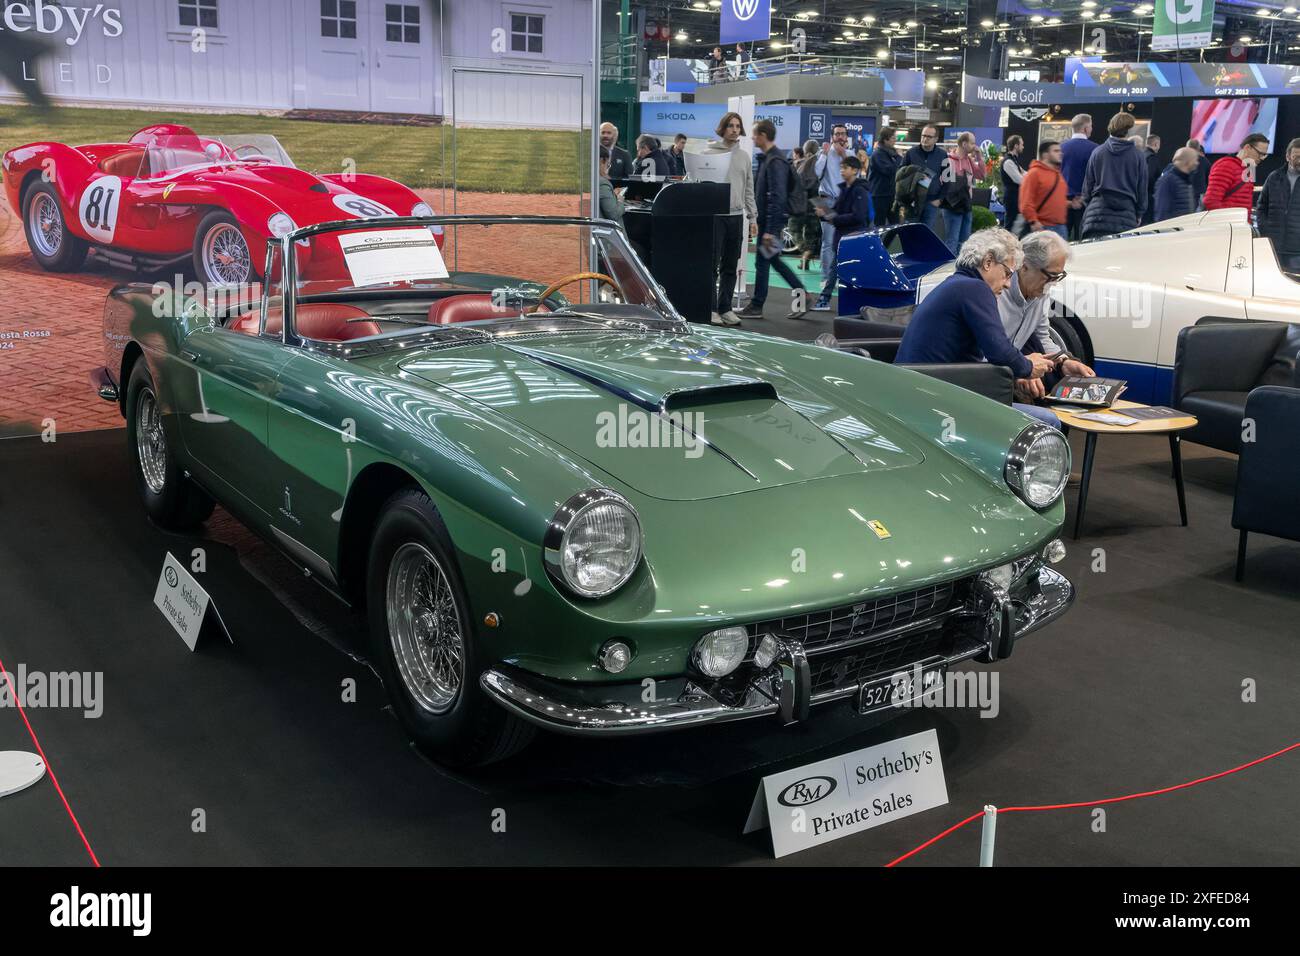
48, 767
1091, 803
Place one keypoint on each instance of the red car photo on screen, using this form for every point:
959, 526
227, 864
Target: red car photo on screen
169, 197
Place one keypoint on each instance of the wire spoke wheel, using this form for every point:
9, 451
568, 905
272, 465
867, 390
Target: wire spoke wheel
45, 222
150, 443
226, 259
425, 628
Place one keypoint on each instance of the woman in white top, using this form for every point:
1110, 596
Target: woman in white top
728, 233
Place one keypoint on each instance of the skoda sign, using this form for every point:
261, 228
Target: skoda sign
744, 20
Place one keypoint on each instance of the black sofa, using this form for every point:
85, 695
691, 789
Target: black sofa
1267, 499
1218, 362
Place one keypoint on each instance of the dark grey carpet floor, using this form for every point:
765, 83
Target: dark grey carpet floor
1139, 687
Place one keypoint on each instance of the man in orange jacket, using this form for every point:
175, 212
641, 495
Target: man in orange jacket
1043, 193
1232, 179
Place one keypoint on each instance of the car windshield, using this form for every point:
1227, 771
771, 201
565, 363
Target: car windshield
165, 155
255, 148
492, 275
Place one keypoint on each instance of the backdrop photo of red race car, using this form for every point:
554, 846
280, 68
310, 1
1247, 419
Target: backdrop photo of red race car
169, 197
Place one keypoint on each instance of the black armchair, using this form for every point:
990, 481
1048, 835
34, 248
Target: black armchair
1268, 469
880, 340
1217, 364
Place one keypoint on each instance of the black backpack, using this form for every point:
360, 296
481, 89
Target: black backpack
796, 197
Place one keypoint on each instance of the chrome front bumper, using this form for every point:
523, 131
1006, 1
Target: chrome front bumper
994, 620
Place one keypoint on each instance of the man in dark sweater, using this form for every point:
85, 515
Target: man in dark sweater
1279, 209
931, 158
1075, 153
1175, 191
771, 194
1155, 166
959, 320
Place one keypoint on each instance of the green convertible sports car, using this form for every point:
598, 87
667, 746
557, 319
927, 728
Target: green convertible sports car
562, 506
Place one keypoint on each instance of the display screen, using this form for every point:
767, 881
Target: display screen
1221, 125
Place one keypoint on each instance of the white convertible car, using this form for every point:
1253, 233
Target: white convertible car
1125, 297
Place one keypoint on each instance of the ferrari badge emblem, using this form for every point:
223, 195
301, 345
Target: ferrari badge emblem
880, 530
168, 191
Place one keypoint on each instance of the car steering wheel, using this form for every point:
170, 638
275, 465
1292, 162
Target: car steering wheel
255, 155
554, 287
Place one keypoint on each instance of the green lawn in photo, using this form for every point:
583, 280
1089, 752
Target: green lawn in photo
486, 160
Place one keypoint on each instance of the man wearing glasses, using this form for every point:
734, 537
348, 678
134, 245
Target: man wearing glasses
930, 158
829, 179
1232, 179
959, 321
1023, 308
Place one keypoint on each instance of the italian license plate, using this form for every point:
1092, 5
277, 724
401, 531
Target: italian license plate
894, 690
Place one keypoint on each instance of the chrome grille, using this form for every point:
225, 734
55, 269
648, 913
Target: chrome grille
822, 631
851, 667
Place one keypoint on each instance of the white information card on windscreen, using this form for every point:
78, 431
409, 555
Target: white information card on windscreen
392, 255
833, 798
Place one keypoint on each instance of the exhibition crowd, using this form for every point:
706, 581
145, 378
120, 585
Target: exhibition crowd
1076, 189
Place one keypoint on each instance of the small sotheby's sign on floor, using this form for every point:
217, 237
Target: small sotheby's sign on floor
181, 599
833, 798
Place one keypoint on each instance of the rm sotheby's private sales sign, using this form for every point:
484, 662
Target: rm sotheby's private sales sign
182, 601
827, 800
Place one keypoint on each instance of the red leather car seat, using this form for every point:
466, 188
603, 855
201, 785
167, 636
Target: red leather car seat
323, 321
462, 308
125, 163
470, 307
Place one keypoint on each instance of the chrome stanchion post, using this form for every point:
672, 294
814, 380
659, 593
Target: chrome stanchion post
987, 837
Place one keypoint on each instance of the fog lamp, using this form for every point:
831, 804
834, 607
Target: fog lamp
766, 653
614, 656
720, 652
1001, 576
1055, 550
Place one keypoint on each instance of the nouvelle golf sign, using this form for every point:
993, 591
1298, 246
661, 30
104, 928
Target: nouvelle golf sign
744, 20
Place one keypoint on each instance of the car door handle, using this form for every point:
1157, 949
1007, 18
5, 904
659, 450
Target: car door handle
190, 356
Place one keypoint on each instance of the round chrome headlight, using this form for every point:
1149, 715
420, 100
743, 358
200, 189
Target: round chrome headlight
1038, 465
280, 225
593, 543
422, 209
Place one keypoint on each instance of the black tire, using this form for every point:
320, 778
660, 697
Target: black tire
1065, 330
469, 729
172, 500
220, 221
68, 252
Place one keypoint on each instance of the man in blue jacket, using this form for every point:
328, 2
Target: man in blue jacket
850, 214
1115, 183
1176, 187
1075, 153
1278, 209
771, 194
959, 321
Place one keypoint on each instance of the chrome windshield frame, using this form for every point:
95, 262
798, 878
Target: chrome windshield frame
604, 229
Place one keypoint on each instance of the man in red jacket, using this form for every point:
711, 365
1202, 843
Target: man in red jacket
1232, 179
1042, 192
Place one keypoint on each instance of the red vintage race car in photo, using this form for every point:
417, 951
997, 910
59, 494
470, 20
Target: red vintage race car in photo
168, 197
